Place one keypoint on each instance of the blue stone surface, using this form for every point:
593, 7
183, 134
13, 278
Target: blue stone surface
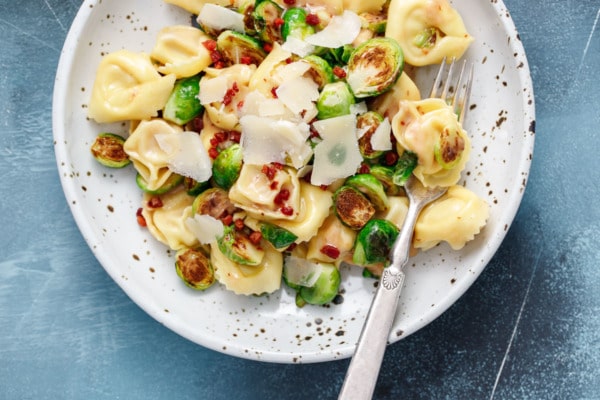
529, 328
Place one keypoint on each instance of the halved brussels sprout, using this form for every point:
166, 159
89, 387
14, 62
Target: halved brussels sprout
107, 149
172, 181
227, 166
194, 268
324, 289
372, 188
376, 23
449, 148
374, 242
426, 38
368, 122
374, 67
334, 100
183, 104
294, 24
352, 207
385, 175
236, 246
214, 202
266, 12
340, 55
238, 48
320, 70
404, 167
279, 237
246, 8
193, 187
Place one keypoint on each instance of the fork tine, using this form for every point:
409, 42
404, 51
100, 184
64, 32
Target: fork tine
456, 96
438, 79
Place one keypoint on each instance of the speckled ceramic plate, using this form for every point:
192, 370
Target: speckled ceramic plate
272, 328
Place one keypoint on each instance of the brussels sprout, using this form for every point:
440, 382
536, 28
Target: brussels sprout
239, 48
385, 175
368, 122
172, 181
449, 148
299, 272
194, 268
374, 66
214, 202
352, 207
372, 188
236, 246
374, 242
107, 149
320, 70
404, 167
227, 166
426, 38
334, 100
279, 237
266, 12
193, 187
340, 55
183, 104
374, 22
246, 8
324, 289
294, 24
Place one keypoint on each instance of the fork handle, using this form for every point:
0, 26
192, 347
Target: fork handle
363, 371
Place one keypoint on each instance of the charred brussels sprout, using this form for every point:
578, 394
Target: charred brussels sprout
279, 237
352, 207
449, 148
246, 8
324, 289
173, 181
183, 104
426, 38
340, 55
107, 149
374, 67
404, 167
265, 14
372, 188
320, 70
374, 242
334, 100
193, 187
194, 268
214, 202
236, 246
238, 48
385, 175
227, 166
294, 24
376, 23
368, 123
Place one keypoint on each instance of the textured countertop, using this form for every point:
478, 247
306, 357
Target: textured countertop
529, 328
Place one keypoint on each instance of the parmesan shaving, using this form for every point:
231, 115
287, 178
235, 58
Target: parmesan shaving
221, 18
341, 30
187, 155
380, 140
213, 89
206, 228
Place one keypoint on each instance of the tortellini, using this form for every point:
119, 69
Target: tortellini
194, 6
179, 50
454, 218
128, 87
167, 222
249, 280
150, 161
430, 129
388, 103
427, 30
331, 233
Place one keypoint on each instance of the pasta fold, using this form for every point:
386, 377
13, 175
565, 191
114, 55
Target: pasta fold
179, 50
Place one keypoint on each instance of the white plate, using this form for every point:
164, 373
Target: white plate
272, 328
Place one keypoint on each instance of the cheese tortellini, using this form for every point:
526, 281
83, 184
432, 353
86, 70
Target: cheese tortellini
427, 30
430, 129
128, 87
179, 50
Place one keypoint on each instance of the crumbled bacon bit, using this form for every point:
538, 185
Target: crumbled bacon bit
270, 170
282, 197
287, 210
155, 202
268, 47
140, 218
213, 152
330, 251
255, 237
227, 219
364, 169
235, 136
339, 72
289, 2
312, 19
247, 60
278, 22
274, 92
210, 45
274, 185
239, 224
231, 92
390, 158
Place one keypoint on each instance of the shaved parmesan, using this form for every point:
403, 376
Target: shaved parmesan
380, 140
221, 18
301, 272
341, 30
213, 89
298, 94
358, 108
206, 228
298, 46
186, 154
265, 140
338, 155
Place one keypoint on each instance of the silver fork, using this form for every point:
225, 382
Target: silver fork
363, 371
